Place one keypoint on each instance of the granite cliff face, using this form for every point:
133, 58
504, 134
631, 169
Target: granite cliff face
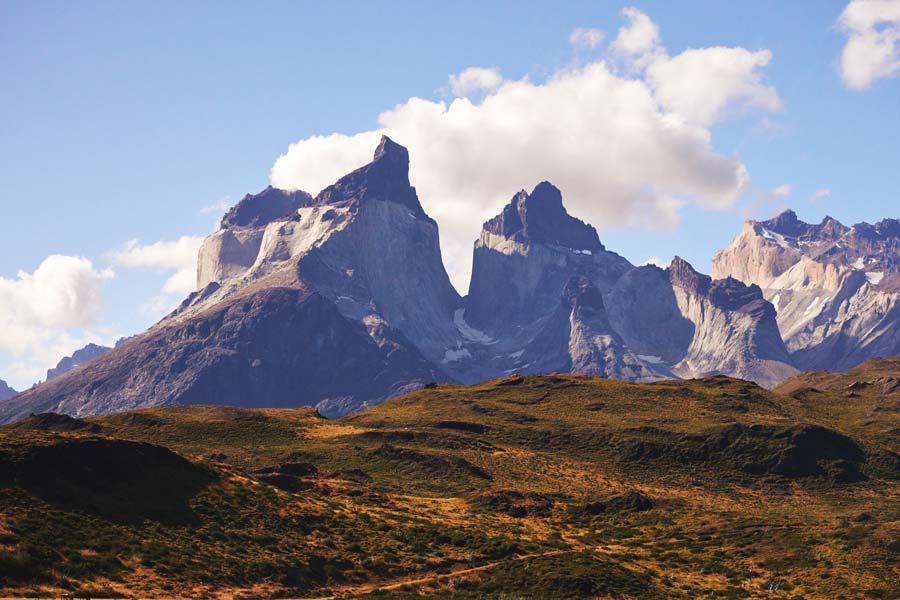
339, 301
835, 288
233, 249
79, 357
548, 296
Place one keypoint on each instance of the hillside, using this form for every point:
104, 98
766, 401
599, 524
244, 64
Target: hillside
537, 486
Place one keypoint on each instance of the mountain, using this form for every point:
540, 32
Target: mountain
537, 486
836, 289
79, 357
345, 303
548, 296
342, 300
6, 391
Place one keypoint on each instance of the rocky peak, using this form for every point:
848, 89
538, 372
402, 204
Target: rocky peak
258, 210
727, 293
683, 275
386, 178
731, 294
79, 357
541, 217
787, 224
6, 391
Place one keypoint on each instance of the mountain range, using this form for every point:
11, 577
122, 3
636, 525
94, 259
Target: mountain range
341, 301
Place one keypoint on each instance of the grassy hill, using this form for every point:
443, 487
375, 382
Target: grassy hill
536, 487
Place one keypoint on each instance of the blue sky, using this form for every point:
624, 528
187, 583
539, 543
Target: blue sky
136, 121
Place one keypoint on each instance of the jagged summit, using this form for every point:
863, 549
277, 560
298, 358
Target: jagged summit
385, 178
541, 217
391, 150
271, 204
682, 274
79, 357
789, 224
6, 391
836, 289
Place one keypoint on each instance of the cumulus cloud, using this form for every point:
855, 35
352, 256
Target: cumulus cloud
872, 51
178, 255
819, 194
702, 85
475, 79
657, 261
639, 37
616, 145
44, 314
586, 37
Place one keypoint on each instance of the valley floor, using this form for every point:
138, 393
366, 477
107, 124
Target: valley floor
557, 486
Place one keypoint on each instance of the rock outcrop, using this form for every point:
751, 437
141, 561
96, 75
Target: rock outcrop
79, 357
232, 250
836, 289
6, 391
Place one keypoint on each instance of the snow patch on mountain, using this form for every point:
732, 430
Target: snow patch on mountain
648, 358
455, 354
875, 277
469, 332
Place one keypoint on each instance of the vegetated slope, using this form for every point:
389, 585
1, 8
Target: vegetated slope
538, 486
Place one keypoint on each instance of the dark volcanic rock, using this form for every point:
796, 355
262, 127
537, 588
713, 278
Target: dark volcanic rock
540, 217
271, 204
385, 178
79, 357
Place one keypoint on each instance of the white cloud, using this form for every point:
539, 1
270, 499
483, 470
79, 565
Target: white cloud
475, 79
782, 191
701, 85
219, 207
47, 314
585, 37
164, 254
777, 195
819, 195
657, 261
639, 37
178, 255
620, 155
872, 50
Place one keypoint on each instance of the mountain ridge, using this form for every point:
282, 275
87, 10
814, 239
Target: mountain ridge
546, 295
